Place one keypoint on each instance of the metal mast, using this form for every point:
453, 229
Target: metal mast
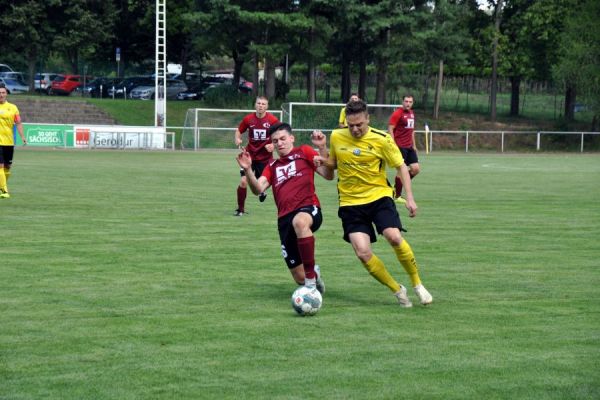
160, 70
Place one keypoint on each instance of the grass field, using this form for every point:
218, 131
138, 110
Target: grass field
124, 275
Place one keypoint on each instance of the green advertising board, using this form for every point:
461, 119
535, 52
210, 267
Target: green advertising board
47, 135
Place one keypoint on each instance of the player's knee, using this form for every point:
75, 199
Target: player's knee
414, 169
302, 223
393, 236
243, 183
363, 254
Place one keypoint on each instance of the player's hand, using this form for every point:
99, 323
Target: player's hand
411, 206
269, 147
238, 141
318, 139
244, 160
318, 160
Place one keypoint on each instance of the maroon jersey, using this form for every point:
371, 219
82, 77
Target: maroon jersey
257, 135
404, 126
292, 180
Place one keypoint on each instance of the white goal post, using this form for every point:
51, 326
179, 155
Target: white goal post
213, 127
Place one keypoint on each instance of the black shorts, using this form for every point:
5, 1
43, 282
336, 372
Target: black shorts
287, 234
410, 155
257, 167
6, 155
382, 213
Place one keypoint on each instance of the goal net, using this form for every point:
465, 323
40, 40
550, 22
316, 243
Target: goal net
213, 128
306, 117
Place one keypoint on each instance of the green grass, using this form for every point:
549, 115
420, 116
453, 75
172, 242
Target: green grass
124, 275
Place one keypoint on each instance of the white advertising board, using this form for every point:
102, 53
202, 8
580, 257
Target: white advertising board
119, 137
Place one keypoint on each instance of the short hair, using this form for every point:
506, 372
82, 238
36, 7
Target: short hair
356, 107
278, 127
2, 85
261, 98
408, 95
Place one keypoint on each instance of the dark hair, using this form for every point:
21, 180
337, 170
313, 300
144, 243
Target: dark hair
356, 107
408, 95
2, 85
280, 126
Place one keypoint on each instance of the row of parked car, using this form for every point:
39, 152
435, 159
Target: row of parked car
136, 87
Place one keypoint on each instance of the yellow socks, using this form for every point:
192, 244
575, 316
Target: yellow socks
3, 179
407, 258
378, 271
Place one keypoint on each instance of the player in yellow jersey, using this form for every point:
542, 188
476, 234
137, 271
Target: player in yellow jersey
342, 120
9, 117
361, 153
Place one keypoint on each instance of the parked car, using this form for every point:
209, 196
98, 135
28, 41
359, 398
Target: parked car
65, 84
5, 68
13, 86
43, 81
245, 86
18, 76
194, 92
98, 87
174, 87
128, 84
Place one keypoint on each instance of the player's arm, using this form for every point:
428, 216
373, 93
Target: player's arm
238, 138
319, 140
257, 186
414, 141
20, 129
391, 130
402, 173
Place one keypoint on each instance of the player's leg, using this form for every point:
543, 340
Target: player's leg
241, 195
414, 169
289, 248
358, 231
305, 222
5, 159
387, 221
258, 168
405, 255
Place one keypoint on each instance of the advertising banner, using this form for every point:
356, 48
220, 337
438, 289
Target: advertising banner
119, 137
45, 135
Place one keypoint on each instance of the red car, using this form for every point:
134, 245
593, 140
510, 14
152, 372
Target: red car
65, 84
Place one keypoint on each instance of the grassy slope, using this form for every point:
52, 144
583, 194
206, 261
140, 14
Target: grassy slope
125, 276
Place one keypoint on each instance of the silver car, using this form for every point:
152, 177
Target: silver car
174, 87
13, 86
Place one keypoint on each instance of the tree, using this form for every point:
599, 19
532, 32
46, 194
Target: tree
442, 38
494, 88
88, 29
27, 22
579, 62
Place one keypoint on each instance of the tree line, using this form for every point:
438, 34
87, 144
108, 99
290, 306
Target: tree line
544, 40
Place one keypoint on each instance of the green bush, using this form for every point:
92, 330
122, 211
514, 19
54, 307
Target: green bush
226, 96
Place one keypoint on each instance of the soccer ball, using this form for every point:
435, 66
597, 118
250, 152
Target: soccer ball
306, 301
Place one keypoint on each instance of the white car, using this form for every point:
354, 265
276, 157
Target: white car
43, 81
13, 86
147, 92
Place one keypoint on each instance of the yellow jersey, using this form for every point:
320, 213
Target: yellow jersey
342, 119
9, 115
361, 165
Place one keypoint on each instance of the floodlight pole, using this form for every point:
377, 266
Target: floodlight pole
160, 69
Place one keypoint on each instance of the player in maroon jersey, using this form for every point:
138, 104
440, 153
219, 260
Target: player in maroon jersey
292, 179
402, 127
259, 146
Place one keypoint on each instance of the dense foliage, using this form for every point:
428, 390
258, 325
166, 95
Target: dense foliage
539, 40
